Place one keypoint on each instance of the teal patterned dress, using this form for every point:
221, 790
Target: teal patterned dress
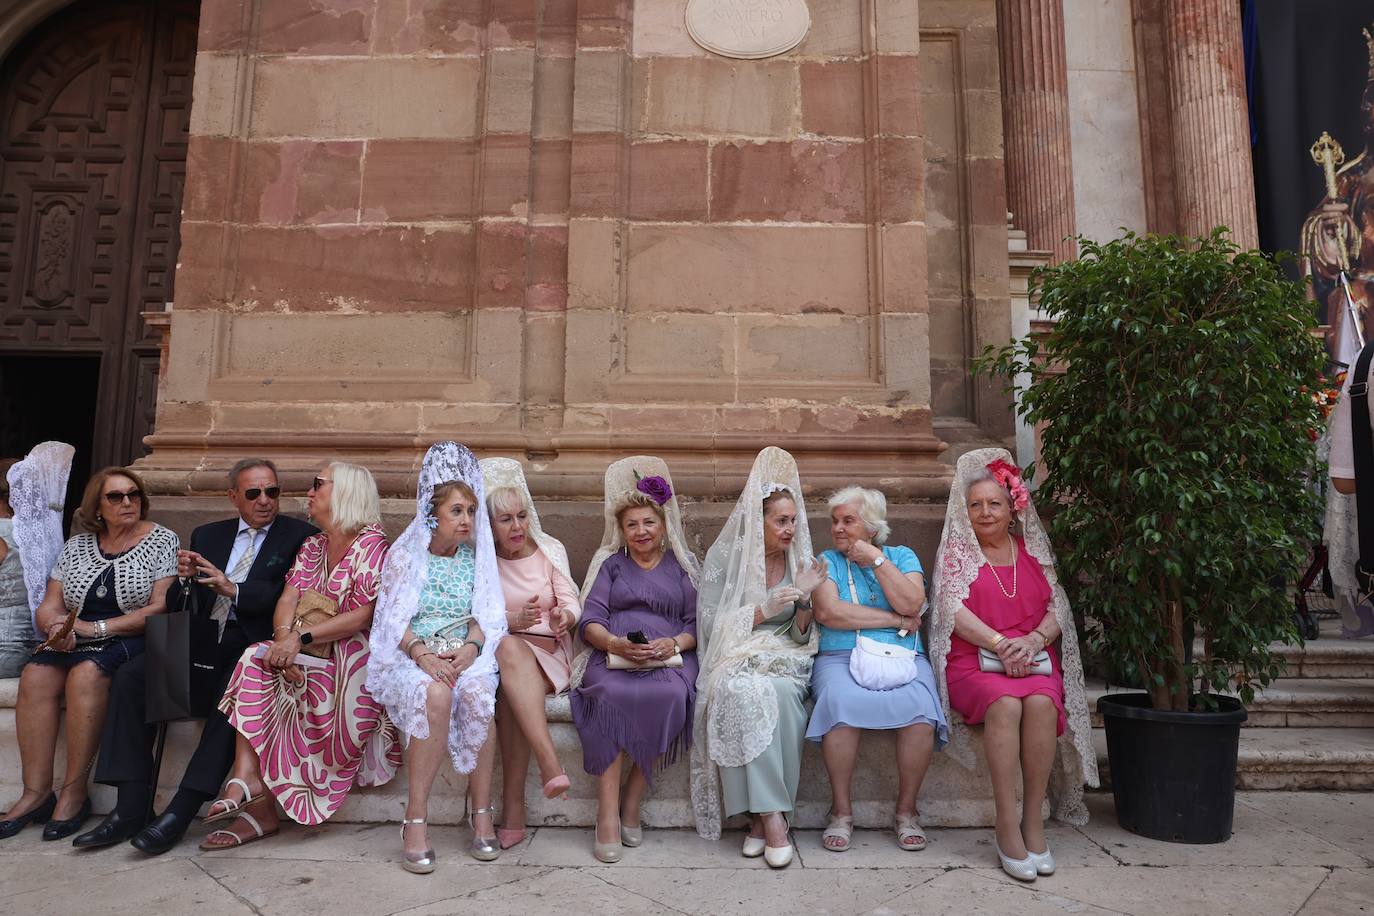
447, 595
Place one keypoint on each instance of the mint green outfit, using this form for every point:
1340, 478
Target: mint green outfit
447, 593
769, 781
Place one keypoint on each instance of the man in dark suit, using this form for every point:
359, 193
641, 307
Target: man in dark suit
240, 566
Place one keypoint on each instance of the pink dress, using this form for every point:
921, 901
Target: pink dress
315, 740
972, 691
535, 575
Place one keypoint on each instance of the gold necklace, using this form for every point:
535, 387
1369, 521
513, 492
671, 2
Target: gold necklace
1002, 588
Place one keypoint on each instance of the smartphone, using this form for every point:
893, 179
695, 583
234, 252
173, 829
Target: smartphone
637, 637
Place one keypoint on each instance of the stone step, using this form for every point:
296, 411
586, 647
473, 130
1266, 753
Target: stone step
1330, 657
1305, 759
1322, 702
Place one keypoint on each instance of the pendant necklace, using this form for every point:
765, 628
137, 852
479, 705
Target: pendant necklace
100, 590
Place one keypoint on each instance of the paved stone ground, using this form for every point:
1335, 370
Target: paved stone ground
1293, 852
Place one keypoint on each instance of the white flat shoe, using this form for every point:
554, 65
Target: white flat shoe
753, 847
778, 856
1044, 861
1020, 869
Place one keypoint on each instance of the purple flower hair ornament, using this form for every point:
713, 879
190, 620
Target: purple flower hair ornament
655, 487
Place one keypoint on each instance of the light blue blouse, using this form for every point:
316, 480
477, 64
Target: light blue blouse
870, 595
447, 593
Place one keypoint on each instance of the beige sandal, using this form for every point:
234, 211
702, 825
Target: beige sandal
841, 827
910, 835
259, 834
231, 807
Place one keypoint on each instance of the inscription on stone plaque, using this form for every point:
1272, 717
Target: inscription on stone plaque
748, 29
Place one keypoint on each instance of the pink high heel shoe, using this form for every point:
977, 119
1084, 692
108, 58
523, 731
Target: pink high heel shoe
557, 786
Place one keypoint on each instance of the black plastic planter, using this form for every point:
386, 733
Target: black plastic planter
1173, 773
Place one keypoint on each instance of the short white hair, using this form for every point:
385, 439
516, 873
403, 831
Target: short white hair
353, 503
872, 509
505, 498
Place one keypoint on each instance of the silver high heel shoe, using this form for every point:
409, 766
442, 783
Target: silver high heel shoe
1044, 861
484, 848
1020, 869
421, 864
631, 836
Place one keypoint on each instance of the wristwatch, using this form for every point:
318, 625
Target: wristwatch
880, 561
307, 637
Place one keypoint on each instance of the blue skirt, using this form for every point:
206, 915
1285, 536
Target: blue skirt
841, 701
108, 656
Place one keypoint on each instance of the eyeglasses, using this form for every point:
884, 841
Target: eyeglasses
319, 482
114, 497
252, 493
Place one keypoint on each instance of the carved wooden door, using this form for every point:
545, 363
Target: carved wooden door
94, 114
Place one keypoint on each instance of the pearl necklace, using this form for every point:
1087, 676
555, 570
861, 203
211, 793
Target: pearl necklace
1002, 588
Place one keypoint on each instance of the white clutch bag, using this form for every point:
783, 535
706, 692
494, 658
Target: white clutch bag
620, 663
990, 661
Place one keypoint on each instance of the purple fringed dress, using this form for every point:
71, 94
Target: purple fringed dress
646, 714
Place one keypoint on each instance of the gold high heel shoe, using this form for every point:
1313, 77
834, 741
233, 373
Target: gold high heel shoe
484, 848
421, 864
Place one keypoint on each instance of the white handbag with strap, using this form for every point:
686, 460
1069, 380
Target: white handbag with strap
878, 665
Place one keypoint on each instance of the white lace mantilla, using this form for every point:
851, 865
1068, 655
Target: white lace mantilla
956, 567
737, 707
393, 678
135, 570
38, 492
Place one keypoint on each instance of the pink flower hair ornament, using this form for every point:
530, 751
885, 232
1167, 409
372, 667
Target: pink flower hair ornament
1009, 476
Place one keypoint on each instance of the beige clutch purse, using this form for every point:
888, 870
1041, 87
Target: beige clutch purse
315, 607
620, 663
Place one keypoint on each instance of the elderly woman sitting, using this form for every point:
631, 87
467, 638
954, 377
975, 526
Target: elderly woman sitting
999, 611
541, 608
107, 581
874, 598
639, 617
754, 615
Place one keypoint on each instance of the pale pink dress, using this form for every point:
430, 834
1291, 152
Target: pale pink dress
315, 740
535, 575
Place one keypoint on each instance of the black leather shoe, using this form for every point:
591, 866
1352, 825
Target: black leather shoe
60, 830
162, 834
116, 828
39, 815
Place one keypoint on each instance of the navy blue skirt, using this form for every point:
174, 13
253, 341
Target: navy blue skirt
108, 656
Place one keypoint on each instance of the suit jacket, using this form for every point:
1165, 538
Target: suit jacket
258, 593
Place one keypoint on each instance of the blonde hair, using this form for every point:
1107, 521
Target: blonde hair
353, 503
872, 509
637, 500
510, 498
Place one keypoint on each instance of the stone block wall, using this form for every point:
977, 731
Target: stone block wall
559, 229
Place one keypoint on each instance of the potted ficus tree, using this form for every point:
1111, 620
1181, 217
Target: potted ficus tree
1178, 451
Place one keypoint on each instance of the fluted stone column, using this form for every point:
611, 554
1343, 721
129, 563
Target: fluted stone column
1213, 182
1035, 121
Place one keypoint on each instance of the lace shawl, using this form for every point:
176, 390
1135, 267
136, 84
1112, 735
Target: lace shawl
737, 707
135, 570
956, 567
393, 678
38, 493
620, 479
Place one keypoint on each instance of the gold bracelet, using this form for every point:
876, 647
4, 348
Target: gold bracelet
998, 641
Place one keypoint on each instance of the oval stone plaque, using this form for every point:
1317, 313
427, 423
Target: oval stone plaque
748, 29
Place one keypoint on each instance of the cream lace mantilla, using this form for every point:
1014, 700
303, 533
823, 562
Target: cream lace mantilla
957, 565
394, 679
737, 707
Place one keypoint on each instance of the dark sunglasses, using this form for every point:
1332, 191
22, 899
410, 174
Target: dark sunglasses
318, 483
252, 493
114, 497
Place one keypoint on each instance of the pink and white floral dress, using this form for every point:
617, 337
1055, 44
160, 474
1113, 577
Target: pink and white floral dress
315, 740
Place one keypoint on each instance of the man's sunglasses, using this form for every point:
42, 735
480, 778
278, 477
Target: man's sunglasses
252, 493
114, 497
